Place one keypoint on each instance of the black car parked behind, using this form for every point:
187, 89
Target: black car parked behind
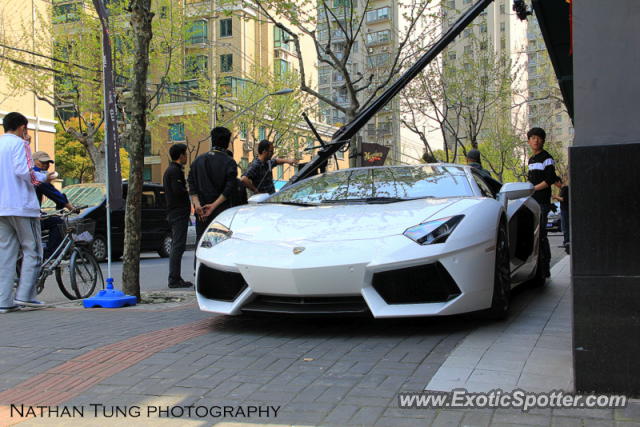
156, 233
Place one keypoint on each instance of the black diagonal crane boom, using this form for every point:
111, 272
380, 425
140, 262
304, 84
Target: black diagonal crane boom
348, 131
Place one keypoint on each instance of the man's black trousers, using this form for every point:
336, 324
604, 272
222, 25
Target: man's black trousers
179, 228
545, 250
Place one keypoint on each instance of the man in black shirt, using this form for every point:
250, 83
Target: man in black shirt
178, 212
213, 180
542, 174
258, 177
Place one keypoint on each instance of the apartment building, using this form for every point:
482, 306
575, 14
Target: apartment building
16, 16
497, 28
372, 54
546, 108
227, 46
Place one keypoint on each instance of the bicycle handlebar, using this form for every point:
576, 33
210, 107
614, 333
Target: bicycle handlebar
63, 212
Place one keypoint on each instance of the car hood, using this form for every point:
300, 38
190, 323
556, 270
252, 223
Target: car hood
332, 222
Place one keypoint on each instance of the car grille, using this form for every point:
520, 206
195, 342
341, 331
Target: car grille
220, 285
414, 285
307, 305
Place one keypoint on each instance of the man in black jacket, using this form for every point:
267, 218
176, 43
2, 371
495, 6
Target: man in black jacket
213, 180
178, 212
542, 174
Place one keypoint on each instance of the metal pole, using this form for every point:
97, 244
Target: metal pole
107, 134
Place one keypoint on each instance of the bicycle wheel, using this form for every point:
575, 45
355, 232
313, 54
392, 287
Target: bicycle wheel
85, 272
63, 277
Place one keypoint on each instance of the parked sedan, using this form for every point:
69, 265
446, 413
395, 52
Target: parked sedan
395, 241
156, 235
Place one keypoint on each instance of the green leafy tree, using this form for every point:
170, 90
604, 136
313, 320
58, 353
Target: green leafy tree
65, 66
72, 160
459, 96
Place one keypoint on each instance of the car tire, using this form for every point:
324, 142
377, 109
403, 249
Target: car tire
165, 246
500, 300
99, 247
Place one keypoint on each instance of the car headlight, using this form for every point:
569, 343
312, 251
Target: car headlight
436, 231
215, 234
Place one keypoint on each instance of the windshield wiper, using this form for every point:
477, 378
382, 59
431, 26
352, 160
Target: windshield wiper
368, 200
295, 203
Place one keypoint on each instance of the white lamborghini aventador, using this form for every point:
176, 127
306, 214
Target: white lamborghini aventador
392, 241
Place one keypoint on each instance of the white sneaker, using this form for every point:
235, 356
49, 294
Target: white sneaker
32, 303
9, 309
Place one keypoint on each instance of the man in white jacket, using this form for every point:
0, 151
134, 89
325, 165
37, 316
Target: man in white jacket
19, 216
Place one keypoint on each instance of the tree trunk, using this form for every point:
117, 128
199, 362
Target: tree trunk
140, 20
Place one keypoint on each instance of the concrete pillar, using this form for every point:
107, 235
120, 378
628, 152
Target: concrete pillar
605, 196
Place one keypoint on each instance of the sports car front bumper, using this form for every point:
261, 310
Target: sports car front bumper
392, 276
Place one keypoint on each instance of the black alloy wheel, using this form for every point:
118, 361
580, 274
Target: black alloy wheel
502, 277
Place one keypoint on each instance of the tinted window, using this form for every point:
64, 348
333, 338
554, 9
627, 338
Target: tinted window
484, 188
358, 185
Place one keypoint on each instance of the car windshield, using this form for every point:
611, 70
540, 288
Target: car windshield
80, 195
378, 185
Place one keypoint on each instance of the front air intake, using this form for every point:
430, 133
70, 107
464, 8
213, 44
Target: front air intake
415, 285
220, 285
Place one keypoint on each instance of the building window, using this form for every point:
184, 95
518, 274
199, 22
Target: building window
467, 33
452, 56
262, 133
467, 49
466, 1
281, 39
378, 37
196, 65
66, 13
226, 28
342, 3
197, 32
378, 14
502, 9
378, 60
309, 143
281, 67
226, 63
176, 132
324, 74
503, 27
146, 173
483, 27
280, 172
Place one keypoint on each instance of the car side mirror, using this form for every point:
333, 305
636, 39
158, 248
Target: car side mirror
516, 190
258, 198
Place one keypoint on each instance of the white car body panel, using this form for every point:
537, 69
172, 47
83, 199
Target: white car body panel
346, 244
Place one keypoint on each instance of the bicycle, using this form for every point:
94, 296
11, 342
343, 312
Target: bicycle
76, 269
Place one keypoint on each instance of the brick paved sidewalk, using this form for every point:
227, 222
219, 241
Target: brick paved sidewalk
319, 372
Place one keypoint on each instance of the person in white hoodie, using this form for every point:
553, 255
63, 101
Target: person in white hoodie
19, 216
